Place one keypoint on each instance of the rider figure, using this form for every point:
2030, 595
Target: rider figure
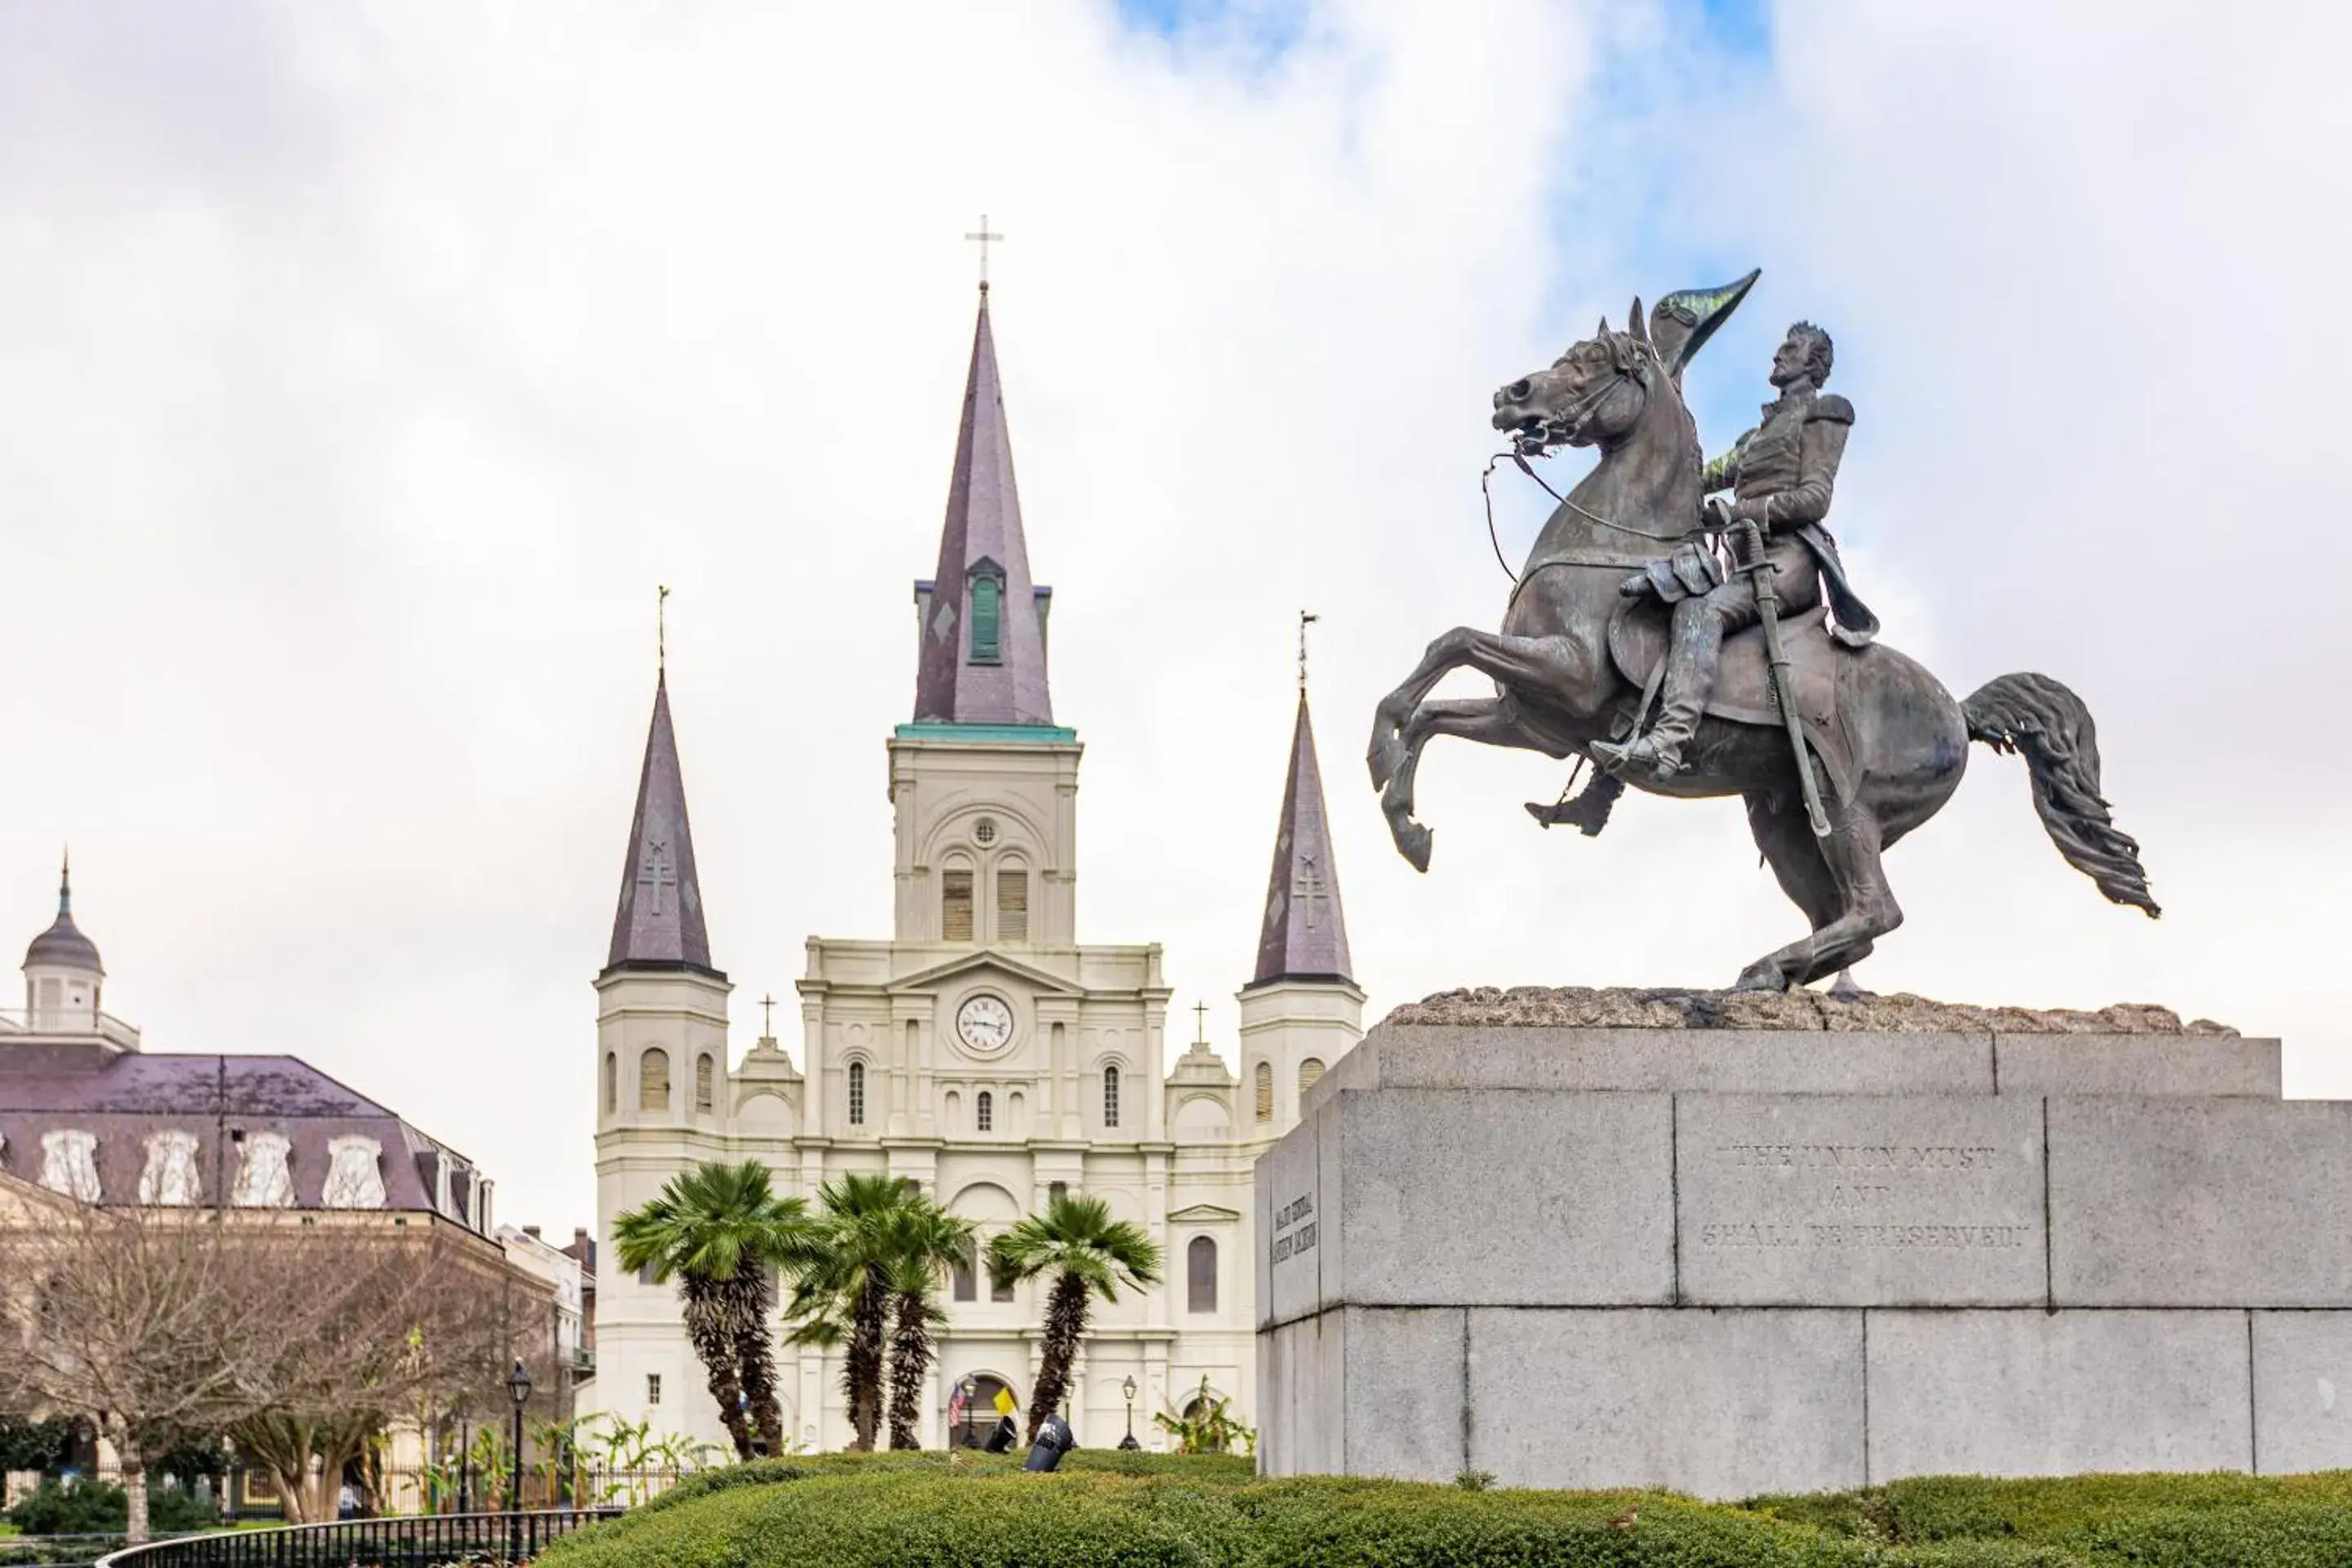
1780, 475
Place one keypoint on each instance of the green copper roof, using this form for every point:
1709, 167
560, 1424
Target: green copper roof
986, 734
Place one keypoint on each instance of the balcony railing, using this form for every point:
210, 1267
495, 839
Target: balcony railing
427, 1540
68, 1023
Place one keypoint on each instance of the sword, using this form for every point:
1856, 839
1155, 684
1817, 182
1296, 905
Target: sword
1749, 544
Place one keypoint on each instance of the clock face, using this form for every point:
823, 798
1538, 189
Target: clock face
984, 1024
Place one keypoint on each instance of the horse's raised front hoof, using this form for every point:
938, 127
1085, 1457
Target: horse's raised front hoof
1764, 975
1387, 753
1413, 842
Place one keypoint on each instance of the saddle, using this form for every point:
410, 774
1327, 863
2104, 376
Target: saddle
1743, 685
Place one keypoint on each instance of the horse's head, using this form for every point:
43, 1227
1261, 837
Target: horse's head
1598, 391
1590, 396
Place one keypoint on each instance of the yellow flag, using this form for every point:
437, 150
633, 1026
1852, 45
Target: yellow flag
1005, 1403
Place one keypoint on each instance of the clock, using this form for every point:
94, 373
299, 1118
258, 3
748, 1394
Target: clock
984, 1025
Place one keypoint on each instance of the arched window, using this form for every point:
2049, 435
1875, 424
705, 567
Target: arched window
987, 619
653, 1080
1309, 1071
857, 1094
706, 1091
983, 1111
1265, 1082
955, 904
612, 1083
1012, 903
966, 1281
1110, 1095
1201, 1275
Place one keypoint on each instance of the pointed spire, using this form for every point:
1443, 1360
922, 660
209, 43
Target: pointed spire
983, 628
658, 924
1305, 936
63, 943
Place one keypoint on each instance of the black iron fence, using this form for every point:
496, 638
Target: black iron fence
427, 1541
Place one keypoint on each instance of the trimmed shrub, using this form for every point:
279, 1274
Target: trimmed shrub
86, 1507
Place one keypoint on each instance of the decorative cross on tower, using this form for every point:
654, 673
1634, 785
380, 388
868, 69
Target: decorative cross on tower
1307, 888
768, 1017
1201, 1023
657, 873
985, 236
1305, 619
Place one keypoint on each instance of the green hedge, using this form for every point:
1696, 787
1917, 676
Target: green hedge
1106, 1510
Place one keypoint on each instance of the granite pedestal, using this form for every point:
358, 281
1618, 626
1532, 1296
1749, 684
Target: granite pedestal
1802, 1248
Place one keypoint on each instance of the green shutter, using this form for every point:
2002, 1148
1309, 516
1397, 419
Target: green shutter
987, 618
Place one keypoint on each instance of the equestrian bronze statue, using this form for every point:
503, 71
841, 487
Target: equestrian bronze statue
1734, 620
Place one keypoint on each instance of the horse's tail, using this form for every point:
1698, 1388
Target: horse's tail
2036, 715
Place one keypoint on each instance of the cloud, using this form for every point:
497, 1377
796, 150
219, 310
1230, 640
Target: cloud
366, 369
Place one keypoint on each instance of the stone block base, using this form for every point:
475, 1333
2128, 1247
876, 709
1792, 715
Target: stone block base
1591, 1255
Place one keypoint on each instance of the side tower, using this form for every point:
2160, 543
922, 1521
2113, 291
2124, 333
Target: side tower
1302, 1010
660, 1085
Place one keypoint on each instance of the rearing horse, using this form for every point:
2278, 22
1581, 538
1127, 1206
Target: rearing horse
1559, 687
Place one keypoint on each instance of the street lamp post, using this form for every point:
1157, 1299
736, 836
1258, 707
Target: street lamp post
968, 1388
519, 1389
1128, 1388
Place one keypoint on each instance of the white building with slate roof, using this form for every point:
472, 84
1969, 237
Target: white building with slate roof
979, 1047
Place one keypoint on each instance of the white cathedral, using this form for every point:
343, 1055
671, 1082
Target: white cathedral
981, 1049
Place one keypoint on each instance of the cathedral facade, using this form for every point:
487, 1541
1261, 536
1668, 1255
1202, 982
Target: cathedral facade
981, 1048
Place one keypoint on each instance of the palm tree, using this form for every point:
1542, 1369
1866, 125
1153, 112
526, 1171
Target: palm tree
718, 1230
1089, 1253
930, 1240
843, 1292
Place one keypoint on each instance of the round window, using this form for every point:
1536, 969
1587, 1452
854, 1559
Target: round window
984, 832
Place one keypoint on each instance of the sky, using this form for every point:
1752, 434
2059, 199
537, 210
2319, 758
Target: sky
364, 368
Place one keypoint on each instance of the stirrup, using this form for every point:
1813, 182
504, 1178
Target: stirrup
1616, 756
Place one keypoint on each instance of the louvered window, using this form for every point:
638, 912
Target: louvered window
1013, 904
612, 1083
955, 906
653, 1081
1265, 1083
1110, 1097
1201, 1275
983, 1114
706, 1092
1309, 1071
987, 619
857, 1094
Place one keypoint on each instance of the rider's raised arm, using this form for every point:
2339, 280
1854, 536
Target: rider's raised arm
1724, 472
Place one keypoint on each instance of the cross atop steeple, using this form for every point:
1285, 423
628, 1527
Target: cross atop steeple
985, 236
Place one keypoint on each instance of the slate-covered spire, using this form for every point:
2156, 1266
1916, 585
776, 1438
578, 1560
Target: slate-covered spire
659, 924
1305, 936
983, 621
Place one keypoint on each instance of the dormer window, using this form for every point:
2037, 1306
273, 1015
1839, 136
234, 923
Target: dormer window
987, 615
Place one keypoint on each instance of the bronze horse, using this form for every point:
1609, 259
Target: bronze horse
1902, 741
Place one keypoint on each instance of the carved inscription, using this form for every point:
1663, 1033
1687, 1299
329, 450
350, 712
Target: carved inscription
1840, 1193
1295, 1225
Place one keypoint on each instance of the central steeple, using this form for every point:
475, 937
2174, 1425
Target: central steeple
982, 657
